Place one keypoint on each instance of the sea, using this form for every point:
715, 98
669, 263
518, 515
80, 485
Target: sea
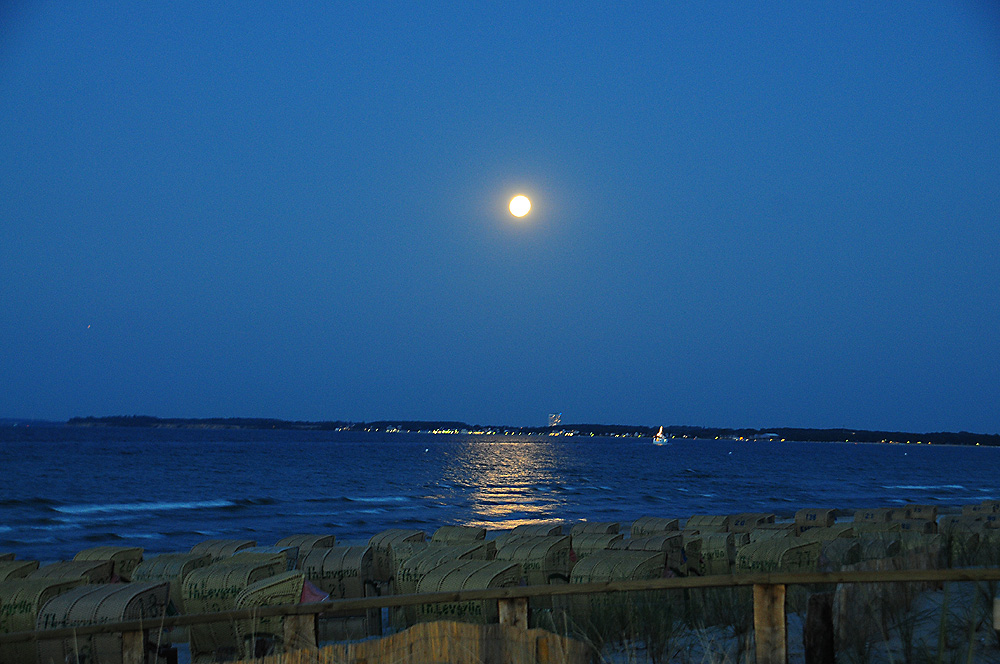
64, 489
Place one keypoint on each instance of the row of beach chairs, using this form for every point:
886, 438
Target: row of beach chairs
108, 584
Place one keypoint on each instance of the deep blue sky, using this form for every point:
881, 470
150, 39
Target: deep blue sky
745, 214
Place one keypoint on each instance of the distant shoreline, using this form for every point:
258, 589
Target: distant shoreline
451, 427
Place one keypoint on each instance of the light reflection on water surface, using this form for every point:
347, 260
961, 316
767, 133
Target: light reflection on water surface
510, 483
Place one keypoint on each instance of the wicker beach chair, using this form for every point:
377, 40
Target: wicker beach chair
415, 568
748, 521
90, 604
778, 555
718, 550
585, 544
653, 525
171, 568
266, 636
16, 569
826, 533
345, 572
288, 554
215, 588
530, 530
20, 602
611, 565
220, 549
382, 544
815, 517
124, 558
458, 534
462, 575
307, 543
595, 528
707, 523
94, 571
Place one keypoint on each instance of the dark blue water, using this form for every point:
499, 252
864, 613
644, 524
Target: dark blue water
63, 489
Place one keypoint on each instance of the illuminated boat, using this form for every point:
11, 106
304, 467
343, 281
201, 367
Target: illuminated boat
660, 438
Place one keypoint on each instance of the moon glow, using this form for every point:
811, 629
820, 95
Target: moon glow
519, 206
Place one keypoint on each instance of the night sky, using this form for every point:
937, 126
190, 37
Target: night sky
744, 214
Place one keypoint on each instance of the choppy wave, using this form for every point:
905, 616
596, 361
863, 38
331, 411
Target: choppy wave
695, 474
144, 507
27, 502
140, 536
102, 537
248, 502
378, 499
925, 487
357, 499
53, 526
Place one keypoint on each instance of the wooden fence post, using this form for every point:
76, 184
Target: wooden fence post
996, 615
769, 626
514, 612
817, 635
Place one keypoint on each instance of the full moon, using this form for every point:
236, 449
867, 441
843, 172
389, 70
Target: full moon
519, 206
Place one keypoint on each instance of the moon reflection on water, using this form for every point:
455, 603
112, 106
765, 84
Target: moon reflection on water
511, 483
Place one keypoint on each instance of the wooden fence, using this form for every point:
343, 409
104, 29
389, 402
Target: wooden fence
300, 624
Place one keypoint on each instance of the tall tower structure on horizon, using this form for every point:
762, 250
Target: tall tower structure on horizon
555, 419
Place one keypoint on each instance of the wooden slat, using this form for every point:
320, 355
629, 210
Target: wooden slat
300, 632
133, 648
460, 643
769, 626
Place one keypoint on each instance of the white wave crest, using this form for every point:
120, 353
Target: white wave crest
143, 507
380, 499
